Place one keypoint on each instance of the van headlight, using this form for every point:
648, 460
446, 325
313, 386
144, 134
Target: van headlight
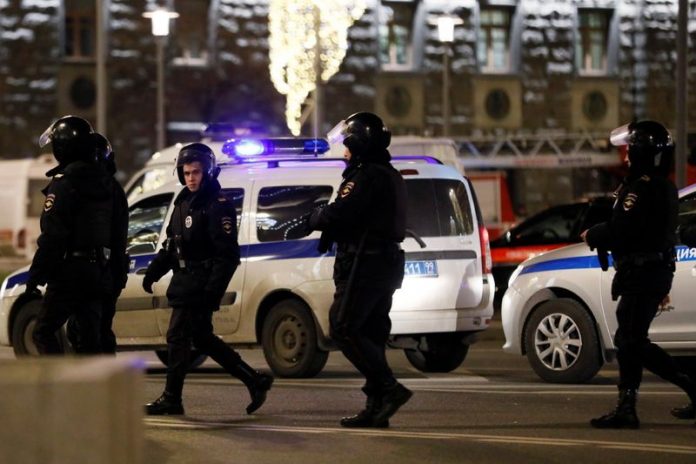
518, 270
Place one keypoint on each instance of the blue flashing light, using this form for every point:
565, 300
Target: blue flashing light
274, 149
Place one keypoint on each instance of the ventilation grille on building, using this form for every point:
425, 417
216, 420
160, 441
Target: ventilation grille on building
77, 91
497, 102
594, 104
400, 101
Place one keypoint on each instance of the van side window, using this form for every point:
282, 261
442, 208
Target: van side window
145, 220
280, 209
236, 196
149, 181
439, 208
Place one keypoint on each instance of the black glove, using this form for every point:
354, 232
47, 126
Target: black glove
147, 284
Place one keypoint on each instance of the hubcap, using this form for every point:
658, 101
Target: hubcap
557, 342
290, 340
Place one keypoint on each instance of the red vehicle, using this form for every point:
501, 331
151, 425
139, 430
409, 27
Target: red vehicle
547, 230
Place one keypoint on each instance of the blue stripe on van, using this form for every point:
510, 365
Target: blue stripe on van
19, 279
683, 253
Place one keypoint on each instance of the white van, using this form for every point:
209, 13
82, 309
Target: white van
280, 295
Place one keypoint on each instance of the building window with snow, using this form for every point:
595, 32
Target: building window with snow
80, 30
395, 35
592, 42
493, 46
190, 33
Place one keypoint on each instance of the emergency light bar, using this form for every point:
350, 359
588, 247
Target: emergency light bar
274, 149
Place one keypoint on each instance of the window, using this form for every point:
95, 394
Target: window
493, 47
190, 36
36, 197
395, 40
148, 181
280, 209
80, 29
687, 210
145, 221
555, 225
591, 46
438, 208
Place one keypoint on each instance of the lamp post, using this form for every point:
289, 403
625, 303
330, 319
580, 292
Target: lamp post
445, 32
160, 30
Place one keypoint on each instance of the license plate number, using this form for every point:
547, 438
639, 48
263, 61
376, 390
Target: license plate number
421, 268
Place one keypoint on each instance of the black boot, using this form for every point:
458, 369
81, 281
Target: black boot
257, 383
684, 382
624, 416
365, 418
393, 398
165, 405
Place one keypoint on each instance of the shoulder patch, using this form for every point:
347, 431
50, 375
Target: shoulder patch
50, 201
630, 201
227, 225
59, 175
347, 189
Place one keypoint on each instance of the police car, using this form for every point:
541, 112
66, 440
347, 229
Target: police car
558, 309
280, 295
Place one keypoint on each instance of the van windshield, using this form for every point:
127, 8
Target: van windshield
439, 208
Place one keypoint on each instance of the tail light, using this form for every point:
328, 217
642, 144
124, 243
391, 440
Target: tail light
486, 260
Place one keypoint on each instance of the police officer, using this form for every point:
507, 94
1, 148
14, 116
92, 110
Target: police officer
119, 261
202, 250
73, 253
367, 221
641, 236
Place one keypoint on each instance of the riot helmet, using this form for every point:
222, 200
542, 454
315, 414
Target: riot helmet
364, 134
197, 152
71, 140
104, 153
650, 146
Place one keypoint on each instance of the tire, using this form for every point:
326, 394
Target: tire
197, 358
289, 340
23, 327
446, 352
561, 342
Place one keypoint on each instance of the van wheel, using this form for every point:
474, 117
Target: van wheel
289, 339
445, 353
23, 328
197, 358
561, 342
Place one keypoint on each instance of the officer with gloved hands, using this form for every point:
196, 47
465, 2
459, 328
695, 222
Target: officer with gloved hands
641, 236
202, 250
367, 220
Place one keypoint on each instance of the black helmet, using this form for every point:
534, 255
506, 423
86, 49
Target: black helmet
363, 133
70, 138
650, 146
197, 152
104, 152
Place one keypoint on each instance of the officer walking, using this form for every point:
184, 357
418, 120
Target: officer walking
73, 254
119, 261
202, 250
367, 220
641, 236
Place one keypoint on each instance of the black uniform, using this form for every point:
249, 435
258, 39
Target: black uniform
641, 236
73, 255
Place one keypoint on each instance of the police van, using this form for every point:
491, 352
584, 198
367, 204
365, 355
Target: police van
280, 295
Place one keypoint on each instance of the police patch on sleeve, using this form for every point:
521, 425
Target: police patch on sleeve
227, 225
630, 201
50, 201
345, 191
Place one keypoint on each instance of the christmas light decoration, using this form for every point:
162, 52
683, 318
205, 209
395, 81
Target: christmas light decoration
308, 41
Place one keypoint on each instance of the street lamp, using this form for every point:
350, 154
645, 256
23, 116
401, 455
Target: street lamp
160, 30
445, 32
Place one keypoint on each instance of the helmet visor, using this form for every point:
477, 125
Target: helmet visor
621, 135
338, 134
46, 137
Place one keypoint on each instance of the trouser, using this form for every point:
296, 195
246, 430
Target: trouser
634, 313
108, 338
193, 325
362, 333
59, 306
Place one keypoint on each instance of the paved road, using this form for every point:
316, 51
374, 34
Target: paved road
491, 410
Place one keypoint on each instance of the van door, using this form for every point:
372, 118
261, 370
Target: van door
135, 309
448, 273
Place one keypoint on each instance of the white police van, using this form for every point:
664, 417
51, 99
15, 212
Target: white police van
280, 295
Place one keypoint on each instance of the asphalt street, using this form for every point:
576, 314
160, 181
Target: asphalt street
493, 409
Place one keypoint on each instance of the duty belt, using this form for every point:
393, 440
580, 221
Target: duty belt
97, 254
643, 258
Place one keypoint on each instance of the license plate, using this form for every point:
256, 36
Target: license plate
421, 268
